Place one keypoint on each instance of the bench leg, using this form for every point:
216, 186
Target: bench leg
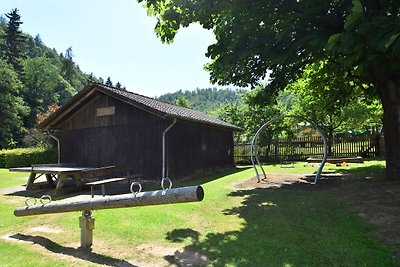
78, 180
49, 179
31, 179
60, 184
103, 190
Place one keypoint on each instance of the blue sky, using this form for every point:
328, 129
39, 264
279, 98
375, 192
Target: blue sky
116, 39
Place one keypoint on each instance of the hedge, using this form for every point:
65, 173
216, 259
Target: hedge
26, 157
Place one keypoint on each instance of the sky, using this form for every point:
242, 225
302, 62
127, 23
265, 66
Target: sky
116, 39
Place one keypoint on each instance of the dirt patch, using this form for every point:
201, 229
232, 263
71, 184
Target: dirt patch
371, 197
97, 256
45, 229
151, 255
293, 181
179, 257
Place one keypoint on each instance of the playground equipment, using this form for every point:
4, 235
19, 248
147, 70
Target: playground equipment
134, 199
254, 149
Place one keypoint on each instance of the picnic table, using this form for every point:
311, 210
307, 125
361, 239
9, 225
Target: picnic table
60, 173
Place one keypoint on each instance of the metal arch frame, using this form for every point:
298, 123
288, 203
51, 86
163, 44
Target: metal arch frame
253, 148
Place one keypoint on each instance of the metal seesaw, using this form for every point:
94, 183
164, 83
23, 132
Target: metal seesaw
135, 199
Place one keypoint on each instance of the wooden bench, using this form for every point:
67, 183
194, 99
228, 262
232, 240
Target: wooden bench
103, 184
337, 160
108, 175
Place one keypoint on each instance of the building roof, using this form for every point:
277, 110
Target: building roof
148, 104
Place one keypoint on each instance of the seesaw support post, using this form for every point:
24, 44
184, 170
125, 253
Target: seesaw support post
86, 223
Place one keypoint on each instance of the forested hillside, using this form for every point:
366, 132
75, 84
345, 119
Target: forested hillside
32, 77
208, 100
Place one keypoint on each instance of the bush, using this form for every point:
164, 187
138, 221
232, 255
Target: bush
26, 156
2, 159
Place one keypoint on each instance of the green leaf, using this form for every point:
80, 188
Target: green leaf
391, 40
332, 41
355, 15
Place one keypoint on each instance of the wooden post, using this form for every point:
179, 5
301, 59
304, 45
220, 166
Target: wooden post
86, 223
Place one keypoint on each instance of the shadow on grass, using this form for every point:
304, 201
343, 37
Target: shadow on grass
366, 169
83, 254
114, 189
360, 170
287, 228
38, 193
374, 172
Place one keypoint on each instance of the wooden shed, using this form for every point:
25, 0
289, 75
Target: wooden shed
104, 126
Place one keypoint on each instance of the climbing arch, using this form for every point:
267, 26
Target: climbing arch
254, 149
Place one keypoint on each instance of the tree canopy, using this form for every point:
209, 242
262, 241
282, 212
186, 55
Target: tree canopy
280, 38
182, 102
12, 107
283, 36
207, 100
330, 99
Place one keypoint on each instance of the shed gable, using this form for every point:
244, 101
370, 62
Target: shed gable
104, 111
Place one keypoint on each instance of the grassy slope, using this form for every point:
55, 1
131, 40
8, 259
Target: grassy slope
232, 227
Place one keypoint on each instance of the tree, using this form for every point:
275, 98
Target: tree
68, 70
14, 41
44, 86
326, 95
38, 40
40, 117
183, 102
12, 107
36, 137
256, 37
251, 116
109, 82
207, 100
3, 21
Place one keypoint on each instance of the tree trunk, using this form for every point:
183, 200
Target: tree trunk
330, 141
390, 96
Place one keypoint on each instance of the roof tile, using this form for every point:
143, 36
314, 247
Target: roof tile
169, 109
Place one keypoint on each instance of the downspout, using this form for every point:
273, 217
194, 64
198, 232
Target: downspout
58, 145
164, 160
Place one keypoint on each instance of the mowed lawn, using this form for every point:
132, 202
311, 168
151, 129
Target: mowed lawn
230, 227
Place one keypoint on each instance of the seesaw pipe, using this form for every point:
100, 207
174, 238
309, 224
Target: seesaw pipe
159, 197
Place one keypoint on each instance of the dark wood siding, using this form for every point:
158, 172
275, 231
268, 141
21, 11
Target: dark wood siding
195, 148
86, 116
127, 135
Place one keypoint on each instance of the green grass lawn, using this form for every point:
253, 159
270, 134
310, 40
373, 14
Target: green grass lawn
9, 179
232, 227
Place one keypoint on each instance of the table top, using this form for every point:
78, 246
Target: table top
49, 169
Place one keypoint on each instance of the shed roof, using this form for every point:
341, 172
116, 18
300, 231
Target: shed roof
148, 104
